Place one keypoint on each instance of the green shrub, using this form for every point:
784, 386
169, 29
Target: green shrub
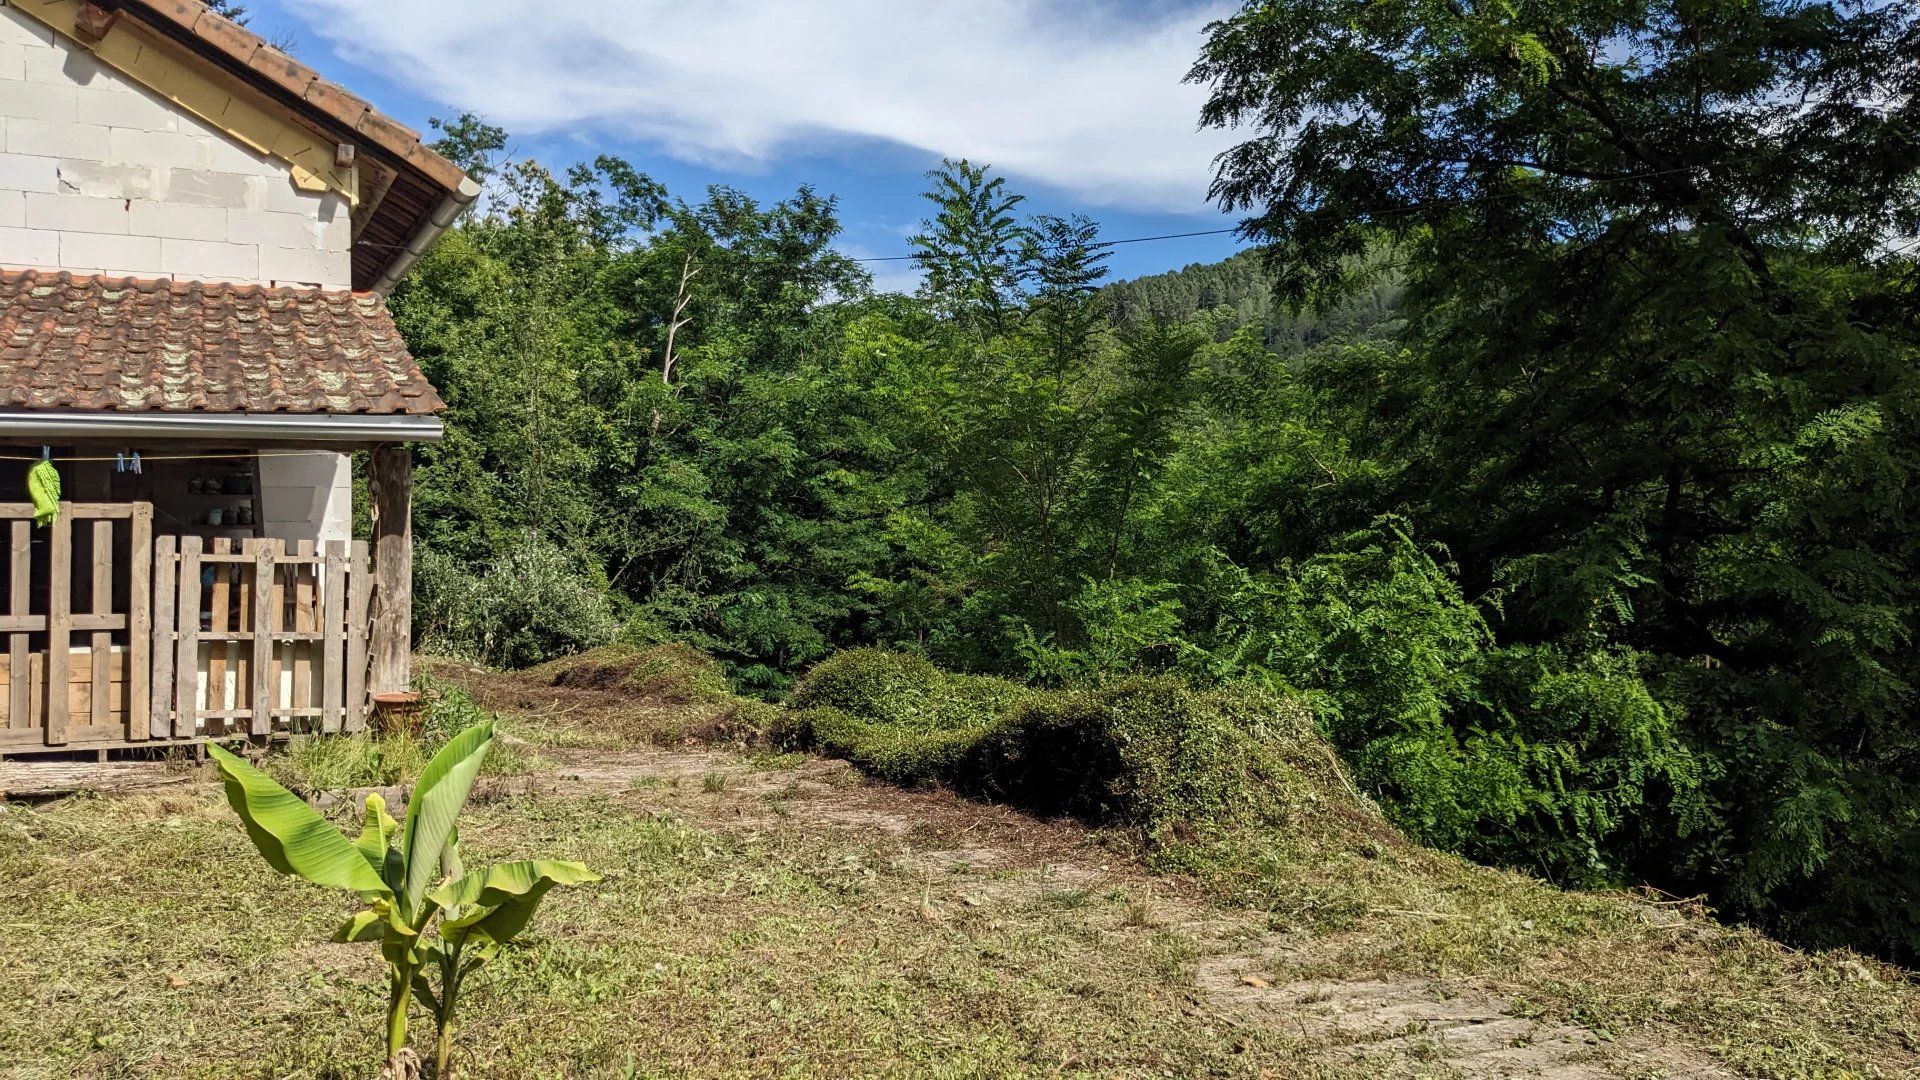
1521, 755
529, 605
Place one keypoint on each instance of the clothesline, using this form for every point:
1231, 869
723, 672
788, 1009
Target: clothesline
246, 456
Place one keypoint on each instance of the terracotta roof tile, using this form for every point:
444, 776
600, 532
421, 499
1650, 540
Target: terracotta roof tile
132, 345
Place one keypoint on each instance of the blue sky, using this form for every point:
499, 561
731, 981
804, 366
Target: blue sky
1079, 104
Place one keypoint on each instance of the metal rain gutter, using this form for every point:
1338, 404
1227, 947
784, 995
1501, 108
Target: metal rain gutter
51, 426
438, 222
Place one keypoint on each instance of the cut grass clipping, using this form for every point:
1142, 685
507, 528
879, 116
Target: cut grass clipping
1237, 787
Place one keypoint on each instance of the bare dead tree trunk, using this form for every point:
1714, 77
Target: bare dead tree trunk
681, 299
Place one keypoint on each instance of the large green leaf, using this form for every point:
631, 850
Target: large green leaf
496, 903
363, 926
435, 806
289, 835
376, 842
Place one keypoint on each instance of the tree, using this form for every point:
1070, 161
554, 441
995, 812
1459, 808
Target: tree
1663, 372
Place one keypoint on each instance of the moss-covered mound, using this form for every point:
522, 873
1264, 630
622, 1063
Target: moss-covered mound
672, 672
1193, 769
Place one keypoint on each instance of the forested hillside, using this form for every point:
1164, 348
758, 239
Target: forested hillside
1240, 289
1575, 500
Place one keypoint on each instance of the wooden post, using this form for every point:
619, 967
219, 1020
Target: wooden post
219, 600
186, 662
266, 620
333, 602
100, 688
139, 622
391, 489
20, 708
59, 623
166, 578
359, 600
305, 621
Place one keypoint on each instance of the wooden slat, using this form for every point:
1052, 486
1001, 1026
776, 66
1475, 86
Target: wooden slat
333, 600
186, 663
305, 619
82, 674
20, 592
115, 510
266, 618
359, 593
102, 644
166, 578
59, 630
139, 622
247, 635
217, 607
84, 621
247, 560
247, 714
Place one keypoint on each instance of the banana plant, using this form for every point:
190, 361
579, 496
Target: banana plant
425, 911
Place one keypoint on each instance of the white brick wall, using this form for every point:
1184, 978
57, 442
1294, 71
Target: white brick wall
306, 496
99, 176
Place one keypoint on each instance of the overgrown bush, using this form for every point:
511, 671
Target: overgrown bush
529, 605
1521, 755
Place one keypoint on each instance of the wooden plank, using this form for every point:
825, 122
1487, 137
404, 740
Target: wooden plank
186, 661
102, 642
266, 618
247, 713
140, 622
247, 560
391, 640
118, 511
166, 578
77, 622
59, 630
359, 597
247, 635
333, 599
20, 592
218, 604
305, 619
82, 674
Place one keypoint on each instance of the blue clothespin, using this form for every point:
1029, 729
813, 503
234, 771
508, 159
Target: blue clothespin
120, 461
46, 453
136, 463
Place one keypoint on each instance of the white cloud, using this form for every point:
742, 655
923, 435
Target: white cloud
1080, 96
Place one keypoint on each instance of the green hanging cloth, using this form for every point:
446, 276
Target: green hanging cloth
43, 485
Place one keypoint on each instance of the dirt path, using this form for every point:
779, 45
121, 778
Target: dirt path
1002, 857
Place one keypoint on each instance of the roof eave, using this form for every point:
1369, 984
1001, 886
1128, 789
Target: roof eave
437, 223
60, 425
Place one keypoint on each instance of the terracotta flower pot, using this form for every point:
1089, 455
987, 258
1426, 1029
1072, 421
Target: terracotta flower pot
399, 710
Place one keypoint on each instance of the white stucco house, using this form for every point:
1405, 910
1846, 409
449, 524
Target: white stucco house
197, 233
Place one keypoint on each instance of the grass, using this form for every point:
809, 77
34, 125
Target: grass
769, 914
385, 759
709, 953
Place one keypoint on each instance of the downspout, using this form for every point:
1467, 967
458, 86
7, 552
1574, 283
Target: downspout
438, 222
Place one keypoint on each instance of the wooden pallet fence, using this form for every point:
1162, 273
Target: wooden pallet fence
78, 626
266, 636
